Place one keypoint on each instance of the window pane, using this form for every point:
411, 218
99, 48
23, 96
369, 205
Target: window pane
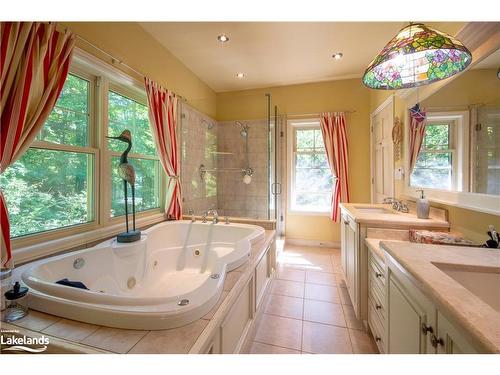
312, 202
305, 139
125, 113
318, 140
68, 122
433, 170
313, 180
437, 137
48, 189
146, 186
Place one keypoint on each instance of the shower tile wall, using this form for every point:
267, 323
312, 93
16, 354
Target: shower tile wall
198, 142
234, 197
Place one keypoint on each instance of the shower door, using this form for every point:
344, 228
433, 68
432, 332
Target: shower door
274, 147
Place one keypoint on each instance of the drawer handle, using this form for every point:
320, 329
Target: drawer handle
378, 307
436, 341
377, 339
426, 328
378, 274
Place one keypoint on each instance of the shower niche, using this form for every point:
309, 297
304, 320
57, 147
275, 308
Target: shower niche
229, 165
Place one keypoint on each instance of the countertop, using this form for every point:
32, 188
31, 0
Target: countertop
457, 303
72, 336
394, 219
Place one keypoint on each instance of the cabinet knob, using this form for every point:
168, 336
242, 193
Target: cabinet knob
436, 341
377, 339
378, 274
378, 307
426, 328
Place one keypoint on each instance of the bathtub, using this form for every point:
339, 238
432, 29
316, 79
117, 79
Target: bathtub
173, 276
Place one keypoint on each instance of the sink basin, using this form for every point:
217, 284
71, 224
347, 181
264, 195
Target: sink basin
374, 210
484, 282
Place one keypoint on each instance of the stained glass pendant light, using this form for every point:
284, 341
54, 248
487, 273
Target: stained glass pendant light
418, 55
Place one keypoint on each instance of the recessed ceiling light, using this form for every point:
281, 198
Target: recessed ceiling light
223, 38
240, 75
337, 55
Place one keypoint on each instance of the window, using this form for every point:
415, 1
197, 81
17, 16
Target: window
126, 113
310, 177
51, 185
52, 190
434, 166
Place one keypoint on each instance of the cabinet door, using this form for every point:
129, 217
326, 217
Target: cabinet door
343, 243
449, 340
405, 321
351, 262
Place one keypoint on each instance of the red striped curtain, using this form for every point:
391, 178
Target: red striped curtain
417, 132
333, 128
34, 63
162, 106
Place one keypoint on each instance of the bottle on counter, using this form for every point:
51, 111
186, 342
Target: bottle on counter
422, 206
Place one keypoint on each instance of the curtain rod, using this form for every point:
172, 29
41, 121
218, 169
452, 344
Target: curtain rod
116, 60
316, 114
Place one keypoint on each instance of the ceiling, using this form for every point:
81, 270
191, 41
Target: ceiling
276, 53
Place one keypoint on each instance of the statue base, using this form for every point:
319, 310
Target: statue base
131, 236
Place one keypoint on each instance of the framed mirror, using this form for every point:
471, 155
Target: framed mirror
459, 160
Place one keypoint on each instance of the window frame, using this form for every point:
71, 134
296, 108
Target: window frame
101, 76
292, 127
453, 132
140, 98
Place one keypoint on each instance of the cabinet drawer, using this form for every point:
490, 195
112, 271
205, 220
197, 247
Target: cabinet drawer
378, 307
377, 329
376, 273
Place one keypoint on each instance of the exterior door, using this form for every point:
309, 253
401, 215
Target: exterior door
382, 153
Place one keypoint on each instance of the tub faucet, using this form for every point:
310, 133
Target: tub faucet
215, 215
191, 212
204, 217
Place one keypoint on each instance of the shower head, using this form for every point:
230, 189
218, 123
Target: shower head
244, 131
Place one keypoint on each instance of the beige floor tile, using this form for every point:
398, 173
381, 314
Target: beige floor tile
320, 267
291, 274
279, 331
71, 330
174, 341
322, 293
289, 307
340, 279
211, 313
325, 339
288, 288
114, 339
362, 343
231, 279
324, 312
36, 320
320, 278
259, 348
350, 318
344, 297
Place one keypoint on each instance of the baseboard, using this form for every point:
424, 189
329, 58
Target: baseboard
312, 243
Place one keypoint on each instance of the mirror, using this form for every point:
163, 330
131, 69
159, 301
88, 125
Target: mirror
461, 147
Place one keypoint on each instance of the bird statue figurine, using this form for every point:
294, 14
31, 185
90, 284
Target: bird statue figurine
127, 173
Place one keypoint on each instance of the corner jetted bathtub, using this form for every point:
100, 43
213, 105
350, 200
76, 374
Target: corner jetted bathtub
174, 275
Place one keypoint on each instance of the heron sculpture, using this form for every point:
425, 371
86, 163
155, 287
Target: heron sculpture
127, 173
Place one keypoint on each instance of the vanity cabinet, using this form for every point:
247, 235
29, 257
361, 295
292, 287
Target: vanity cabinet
415, 325
377, 305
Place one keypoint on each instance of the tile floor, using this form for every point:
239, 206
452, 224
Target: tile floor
309, 310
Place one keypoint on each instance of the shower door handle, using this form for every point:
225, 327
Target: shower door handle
276, 188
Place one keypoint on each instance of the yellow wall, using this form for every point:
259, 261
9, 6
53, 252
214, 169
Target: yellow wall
344, 95
473, 87
131, 44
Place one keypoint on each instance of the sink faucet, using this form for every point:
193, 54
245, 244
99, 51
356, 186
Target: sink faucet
397, 205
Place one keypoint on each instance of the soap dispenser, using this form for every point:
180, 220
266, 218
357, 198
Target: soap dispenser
422, 206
